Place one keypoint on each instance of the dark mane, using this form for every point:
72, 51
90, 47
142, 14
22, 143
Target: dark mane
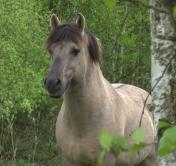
71, 32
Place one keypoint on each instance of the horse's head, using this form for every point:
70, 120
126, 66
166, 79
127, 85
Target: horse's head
72, 48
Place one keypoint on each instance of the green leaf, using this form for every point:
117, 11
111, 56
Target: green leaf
165, 148
119, 144
106, 139
101, 158
168, 141
137, 147
163, 124
138, 135
110, 3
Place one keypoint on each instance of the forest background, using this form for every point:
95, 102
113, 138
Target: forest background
27, 114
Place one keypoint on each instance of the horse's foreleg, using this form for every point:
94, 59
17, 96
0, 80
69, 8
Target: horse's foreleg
109, 160
65, 161
151, 160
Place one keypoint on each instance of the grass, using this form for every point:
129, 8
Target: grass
32, 142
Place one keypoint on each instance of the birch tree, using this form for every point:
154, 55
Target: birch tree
163, 50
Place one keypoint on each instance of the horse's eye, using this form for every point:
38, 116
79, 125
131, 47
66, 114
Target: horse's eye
75, 51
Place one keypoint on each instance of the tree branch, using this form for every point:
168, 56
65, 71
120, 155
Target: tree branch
159, 79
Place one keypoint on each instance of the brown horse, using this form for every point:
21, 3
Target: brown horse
91, 103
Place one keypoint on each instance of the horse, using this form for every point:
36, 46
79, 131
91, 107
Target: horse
90, 102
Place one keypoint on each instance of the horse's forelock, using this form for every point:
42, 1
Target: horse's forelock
71, 32
65, 32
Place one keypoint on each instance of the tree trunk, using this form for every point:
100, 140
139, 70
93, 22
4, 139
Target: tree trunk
163, 36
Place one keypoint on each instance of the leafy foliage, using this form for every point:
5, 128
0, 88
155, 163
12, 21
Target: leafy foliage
110, 3
137, 147
119, 144
22, 60
101, 158
106, 140
167, 143
138, 135
163, 124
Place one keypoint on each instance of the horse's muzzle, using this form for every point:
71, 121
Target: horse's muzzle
54, 87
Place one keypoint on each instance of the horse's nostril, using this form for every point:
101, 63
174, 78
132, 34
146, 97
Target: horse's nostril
52, 84
58, 82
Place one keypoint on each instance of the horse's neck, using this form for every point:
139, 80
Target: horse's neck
84, 100
87, 90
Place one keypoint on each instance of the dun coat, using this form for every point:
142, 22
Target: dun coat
91, 103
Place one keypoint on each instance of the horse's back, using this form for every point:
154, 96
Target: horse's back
135, 93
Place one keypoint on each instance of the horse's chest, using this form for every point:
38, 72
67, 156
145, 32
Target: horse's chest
79, 151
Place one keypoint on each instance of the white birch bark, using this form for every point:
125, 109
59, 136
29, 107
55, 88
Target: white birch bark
163, 52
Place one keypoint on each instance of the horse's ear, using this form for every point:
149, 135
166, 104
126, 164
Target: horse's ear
80, 22
54, 21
